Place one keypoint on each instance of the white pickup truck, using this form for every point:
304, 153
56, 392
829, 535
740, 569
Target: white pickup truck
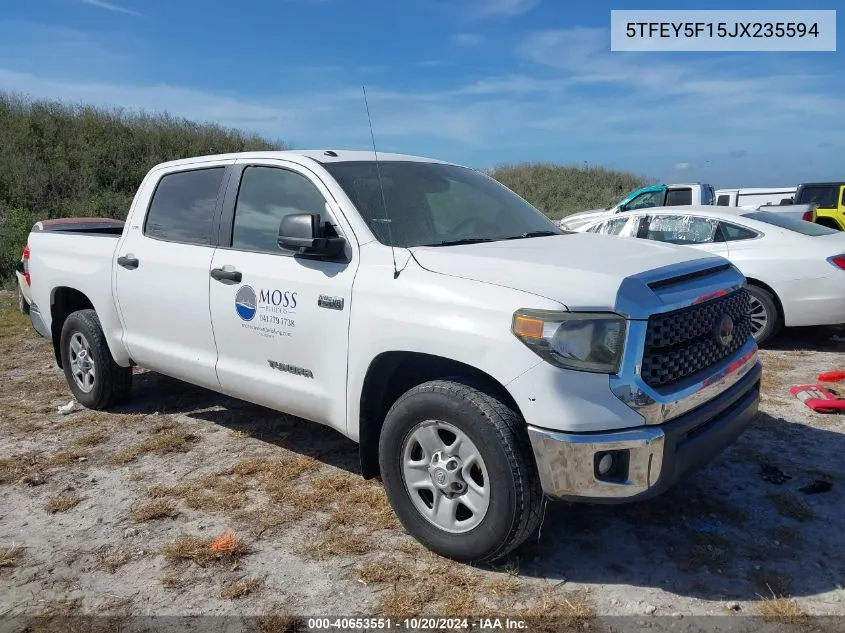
478, 355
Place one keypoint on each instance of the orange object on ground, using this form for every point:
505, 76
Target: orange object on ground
832, 376
819, 398
225, 542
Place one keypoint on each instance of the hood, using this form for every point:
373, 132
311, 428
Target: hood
582, 271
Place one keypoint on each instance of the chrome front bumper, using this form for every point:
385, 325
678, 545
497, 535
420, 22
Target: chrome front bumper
654, 457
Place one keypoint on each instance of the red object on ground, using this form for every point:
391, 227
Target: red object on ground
819, 398
832, 376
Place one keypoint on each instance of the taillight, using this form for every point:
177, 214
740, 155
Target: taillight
808, 216
838, 261
25, 258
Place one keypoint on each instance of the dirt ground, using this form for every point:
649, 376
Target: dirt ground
115, 514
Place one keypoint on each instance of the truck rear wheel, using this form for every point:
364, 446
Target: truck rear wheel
459, 471
95, 380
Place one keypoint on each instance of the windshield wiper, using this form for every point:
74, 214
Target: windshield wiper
467, 240
532, 234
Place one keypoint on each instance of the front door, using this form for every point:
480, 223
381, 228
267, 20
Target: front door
161, 275
281, 321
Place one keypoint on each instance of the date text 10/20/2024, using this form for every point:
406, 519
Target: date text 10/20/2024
416, 624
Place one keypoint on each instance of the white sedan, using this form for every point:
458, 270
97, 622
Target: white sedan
795, 269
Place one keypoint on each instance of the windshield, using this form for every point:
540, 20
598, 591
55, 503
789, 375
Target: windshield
434, 204
786, 222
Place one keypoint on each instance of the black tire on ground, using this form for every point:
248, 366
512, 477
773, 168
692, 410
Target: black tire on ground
767, 302
112, 383
23, 306
500, 435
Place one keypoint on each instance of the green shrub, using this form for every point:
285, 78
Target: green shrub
15, 225
558, 190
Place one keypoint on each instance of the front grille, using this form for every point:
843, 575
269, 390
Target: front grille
683, 342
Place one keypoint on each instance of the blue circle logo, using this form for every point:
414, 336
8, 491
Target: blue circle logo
245, 303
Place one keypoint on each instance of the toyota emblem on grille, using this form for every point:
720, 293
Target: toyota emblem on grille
723, 331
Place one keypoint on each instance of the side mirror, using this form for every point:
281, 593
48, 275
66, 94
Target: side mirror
305, 234
19, 266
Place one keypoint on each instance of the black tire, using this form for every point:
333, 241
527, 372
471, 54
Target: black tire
112, 383
499, 433
23, 306
774, 321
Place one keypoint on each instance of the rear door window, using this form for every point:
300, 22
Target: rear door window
682, 229
733, 233
183, 206
724, 200
678, 197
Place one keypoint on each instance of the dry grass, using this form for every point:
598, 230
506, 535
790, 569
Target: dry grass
367, 506
781, 609
240, 588
338, 542
212, 493
160, 509
264, 521
62, 503
279, 620
111, 558
791, 507
169, 441
199, 550
506, 585
11, 556
775, 369
13, 469
390, 570
705, 550
95, 438
172, 581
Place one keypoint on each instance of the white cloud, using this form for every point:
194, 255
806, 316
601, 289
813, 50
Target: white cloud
682, 166
108, 6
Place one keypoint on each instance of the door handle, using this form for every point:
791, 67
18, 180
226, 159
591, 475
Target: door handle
226, 275
128, 261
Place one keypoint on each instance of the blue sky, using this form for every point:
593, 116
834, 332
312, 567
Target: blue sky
479, 82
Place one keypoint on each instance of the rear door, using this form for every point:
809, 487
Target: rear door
161, 276
678, 196
281, 320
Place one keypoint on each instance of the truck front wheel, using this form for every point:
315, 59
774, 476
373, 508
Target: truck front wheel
459, 472
95, 380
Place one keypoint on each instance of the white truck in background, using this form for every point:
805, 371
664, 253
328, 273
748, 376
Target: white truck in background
694, 193
479, 356
754, 197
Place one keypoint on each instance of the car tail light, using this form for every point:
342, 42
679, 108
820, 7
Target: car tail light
808, 216
25, 259
838, 261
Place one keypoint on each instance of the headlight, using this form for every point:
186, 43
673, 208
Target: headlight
573, 340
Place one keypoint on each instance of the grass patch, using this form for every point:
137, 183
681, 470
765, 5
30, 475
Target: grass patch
338, 542
240, 588
200, 551
772, 582
790, 507
169, 441
62, 503
212, 493
781, 609
11, 556
172, 581
706, 550
264, 521
367, 506
506, 585
390, 570
95, 438
111, 559
279, 620
159, 509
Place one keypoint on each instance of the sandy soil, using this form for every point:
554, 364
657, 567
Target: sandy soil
115, 513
